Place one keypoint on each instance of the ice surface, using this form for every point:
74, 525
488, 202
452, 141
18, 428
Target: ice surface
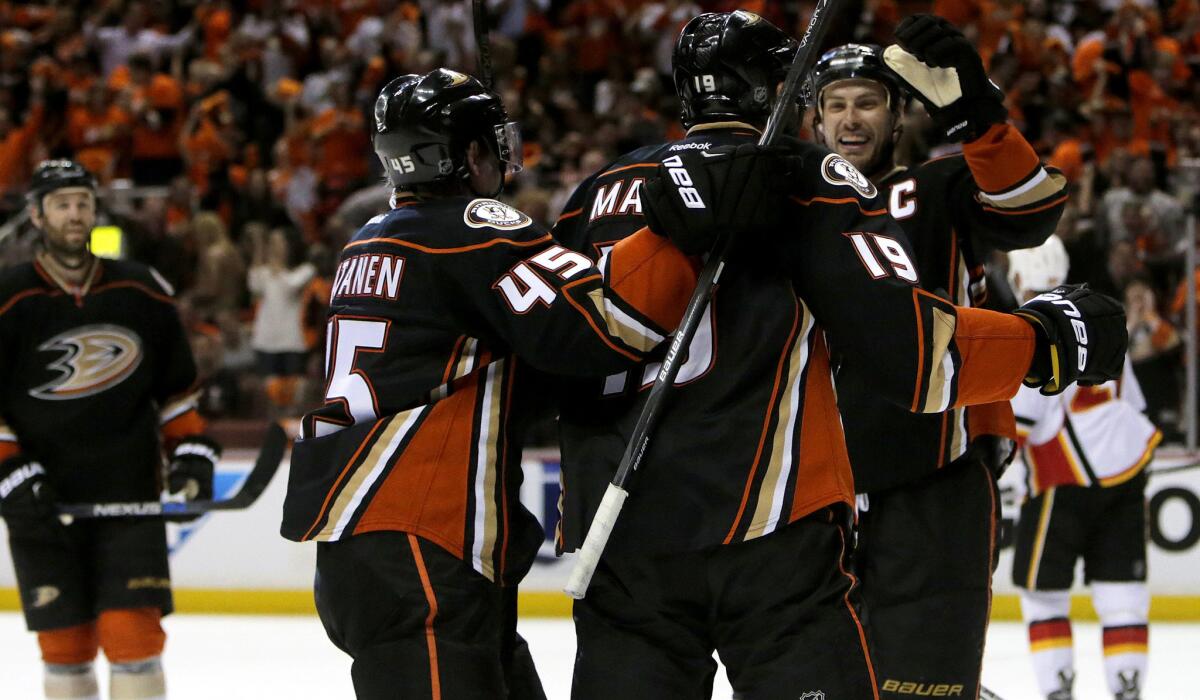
289, 658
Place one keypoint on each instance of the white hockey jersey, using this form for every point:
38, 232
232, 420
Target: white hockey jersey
1087, 435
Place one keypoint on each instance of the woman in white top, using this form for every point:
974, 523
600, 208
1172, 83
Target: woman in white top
278, 335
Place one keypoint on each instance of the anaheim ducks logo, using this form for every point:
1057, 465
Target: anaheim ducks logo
488, 212
838, 171
43, 596
95, 358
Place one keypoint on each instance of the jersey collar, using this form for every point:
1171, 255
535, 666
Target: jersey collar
57, 276
723, 126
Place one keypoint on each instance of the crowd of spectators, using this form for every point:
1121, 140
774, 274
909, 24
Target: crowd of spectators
234, 137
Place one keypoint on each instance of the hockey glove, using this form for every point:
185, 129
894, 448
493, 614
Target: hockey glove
697, 195
192, 465
941, 68
1081, 337
26, 499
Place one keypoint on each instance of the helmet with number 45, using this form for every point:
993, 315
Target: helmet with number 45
424, 124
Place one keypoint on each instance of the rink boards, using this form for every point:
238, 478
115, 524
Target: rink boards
235, 561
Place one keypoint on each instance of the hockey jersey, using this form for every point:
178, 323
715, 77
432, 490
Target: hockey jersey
1086, 436
751, 439
955, 210
443, 315
92, 377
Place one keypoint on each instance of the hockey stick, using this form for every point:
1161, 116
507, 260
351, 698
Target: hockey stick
483, 49
1168, 470
985, 694
274, 444
602, 525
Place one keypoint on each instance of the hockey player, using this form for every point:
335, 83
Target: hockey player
928, 523
734, 536
1086, 451
444, 311
96, 377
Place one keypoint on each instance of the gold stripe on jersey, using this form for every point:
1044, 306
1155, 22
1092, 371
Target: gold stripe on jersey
178, 407
772, 492
941, 374
631, 331
6, 433
1073, 459
1039, 542
485, 517
1043, 185
364, 475
1137, 467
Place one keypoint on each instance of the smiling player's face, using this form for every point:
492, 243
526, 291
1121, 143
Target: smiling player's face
857, 123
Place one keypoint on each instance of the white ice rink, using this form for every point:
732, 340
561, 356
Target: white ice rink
211, 657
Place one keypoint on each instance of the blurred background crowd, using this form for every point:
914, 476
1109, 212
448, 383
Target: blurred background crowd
233, 139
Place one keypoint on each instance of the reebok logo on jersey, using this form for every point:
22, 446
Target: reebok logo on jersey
488, 213
94, 358
691, 147
838, 171
19, 476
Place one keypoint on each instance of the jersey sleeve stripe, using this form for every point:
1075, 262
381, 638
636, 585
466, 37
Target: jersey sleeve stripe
460, 249
568, 215
18, 297
605, 337
138, 286
1046, 185
1021, 212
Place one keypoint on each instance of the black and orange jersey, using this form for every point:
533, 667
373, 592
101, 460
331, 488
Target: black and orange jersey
444, 314
750, 439
92, 377
955, 210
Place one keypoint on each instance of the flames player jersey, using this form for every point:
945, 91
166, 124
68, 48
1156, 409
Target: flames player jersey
91, 376
432, 305
1085, 436
750, 439
955, 210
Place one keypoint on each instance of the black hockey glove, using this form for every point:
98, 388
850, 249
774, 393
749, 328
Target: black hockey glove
943, 70
192, 465
27, 500
1081, 337
697, 195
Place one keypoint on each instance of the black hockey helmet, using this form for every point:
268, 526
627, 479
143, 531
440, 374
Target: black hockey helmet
727, 66
847, 62
424, 123
51, 175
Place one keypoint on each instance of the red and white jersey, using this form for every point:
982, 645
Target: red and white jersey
1086, 436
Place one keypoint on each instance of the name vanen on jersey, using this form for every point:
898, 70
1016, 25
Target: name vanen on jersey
426, 399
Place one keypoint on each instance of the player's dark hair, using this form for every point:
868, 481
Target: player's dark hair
727, 66
425, 123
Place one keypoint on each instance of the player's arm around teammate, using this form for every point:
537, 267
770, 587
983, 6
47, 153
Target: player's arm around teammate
95, 371
445, 313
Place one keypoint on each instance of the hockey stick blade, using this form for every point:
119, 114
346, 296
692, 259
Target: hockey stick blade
985, 694
601, 528
274, 444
